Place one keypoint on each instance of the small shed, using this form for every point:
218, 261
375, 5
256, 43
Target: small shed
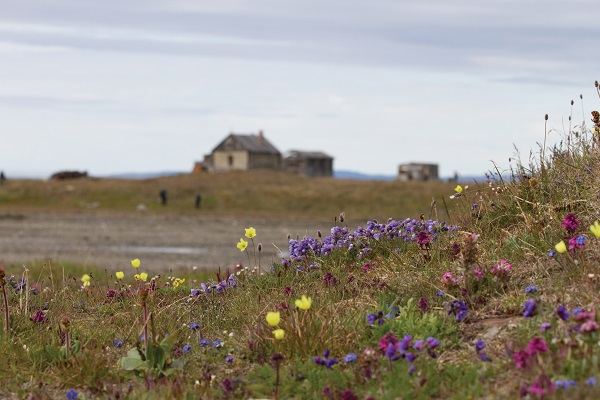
308, 163
418, 172
244, 152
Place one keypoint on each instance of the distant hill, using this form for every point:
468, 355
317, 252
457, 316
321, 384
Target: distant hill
144, 175
362, 177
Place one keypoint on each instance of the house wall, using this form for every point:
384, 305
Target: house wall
264, 161
230, 160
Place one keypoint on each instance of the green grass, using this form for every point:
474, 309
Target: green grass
416, 290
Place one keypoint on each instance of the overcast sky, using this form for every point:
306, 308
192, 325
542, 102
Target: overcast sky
137, 86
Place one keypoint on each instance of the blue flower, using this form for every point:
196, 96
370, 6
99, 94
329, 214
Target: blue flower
379, 318
187, 348
204, 342
194, 326
530, 308
531, 289
483, 357
217, 343
72, 394
118, 343
591, 381
580, 240
577, 310
432, 342
350, 358
552, 253
562, 312
229, 358
440, 293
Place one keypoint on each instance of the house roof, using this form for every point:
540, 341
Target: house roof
249, 142
307, 154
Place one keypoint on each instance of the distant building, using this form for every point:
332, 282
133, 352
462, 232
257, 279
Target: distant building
418, 172
242, 153
308, 163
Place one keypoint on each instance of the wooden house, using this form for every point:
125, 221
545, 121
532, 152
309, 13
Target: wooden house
244, 152
418, 172
308, 163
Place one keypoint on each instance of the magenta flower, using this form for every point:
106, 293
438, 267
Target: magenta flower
522, 359
503, 268
536, 345
570, 223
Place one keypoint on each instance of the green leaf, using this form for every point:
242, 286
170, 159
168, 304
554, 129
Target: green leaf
131, 363
75, 347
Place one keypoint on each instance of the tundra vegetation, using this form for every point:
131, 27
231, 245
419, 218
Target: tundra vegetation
497, 301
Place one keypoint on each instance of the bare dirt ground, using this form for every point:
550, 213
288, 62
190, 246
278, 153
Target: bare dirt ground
161, 242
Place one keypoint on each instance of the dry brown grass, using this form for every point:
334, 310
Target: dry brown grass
262, 194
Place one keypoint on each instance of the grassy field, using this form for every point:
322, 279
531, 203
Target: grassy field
498, 304
262, 194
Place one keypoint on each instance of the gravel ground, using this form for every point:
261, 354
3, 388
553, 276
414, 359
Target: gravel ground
161, 242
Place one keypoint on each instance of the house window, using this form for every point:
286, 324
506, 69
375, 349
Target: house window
230, 161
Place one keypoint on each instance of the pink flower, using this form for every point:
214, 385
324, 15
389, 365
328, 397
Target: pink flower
541, 386
536, 344
502, 268
570, 223
522, 359
386, 340
478, 274
448, 279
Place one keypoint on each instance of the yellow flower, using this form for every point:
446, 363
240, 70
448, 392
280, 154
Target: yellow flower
242, 244
250, 232
458, 189
120, 275
85, 279
86, 283
279, 334
273, 318
595, 229
144, 276
135, 263
561, 247
136, 277
304, 303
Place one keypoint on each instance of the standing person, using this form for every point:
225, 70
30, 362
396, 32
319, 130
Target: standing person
163, 197
198, 201
2, 177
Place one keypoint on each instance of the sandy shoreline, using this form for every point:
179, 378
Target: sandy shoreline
162, 242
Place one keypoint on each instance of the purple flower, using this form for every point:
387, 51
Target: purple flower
391, 353
440, 293
318, 360
405, 343
419, 345
410, 357
195, 292
545, 326
331, 362
204, 342
432, 342
522, 359
551, 253
350, 358
483, 357
217, 343
118, 343
187, 348
459, 309
72, 394
379, 318
577, 310
530, 308
479, 345
194, 326
531, 289
563, 312
229, 358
